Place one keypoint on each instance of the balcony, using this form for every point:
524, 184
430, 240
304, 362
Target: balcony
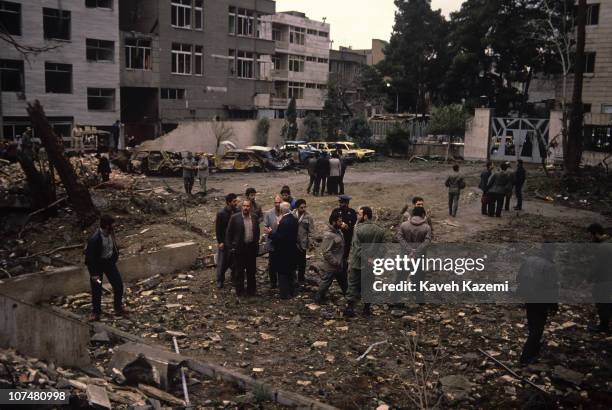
279, 102
279, 74
282, 45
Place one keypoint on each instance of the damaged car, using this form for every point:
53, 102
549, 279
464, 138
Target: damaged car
240, 160
271, 158
163, 163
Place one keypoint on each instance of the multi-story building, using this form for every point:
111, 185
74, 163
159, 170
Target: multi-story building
300, 64
345, 67
192, 60
376, 54
76, 79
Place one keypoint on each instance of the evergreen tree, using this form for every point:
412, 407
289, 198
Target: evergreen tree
291, 130
312, 127
331, 118
361, 132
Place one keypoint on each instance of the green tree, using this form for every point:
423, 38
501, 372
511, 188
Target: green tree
333, 110
398, 141
262, 131
448, 120
361, 132
290, 129
415, 58
312, 127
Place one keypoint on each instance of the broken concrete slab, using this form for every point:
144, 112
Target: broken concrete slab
70, 280
97, 397
43, 333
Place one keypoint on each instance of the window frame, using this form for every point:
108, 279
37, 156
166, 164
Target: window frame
172, 94
298, 60
58, 69
112, 97
593, 19
178, 9
244, 63
46, 22
296, 33
19, 14
132, 53
245, 23
198, 21
181, 56
99, 48
97, 6
590, 61
198, 56
292, 86
20, 70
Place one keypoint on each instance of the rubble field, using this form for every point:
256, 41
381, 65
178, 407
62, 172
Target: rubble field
434, 353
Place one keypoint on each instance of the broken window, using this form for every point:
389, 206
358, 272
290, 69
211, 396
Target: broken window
296, 63
58, 78
101, 99
181, 13
172, 94
10, 17
297, 35
245, 64
198, 15
11, 74
101, 4
56, 24
181, 58
138, 54
100, 50
198, 61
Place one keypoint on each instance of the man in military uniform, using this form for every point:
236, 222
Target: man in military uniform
366, 232
349, 219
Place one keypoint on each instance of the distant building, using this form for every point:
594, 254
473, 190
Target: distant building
187, 60
375, 54
300, 64
345, 67
77, 82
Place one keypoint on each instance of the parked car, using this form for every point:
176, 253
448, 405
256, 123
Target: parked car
323, 147
299, 151
240, 160
155, 163
331, 147
271, 158
362, 154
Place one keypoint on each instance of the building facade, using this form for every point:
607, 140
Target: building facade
186, 60
300, 64
76, 80
376, 54
345, 67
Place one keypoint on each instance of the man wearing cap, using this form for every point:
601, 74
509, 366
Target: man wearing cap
349, 219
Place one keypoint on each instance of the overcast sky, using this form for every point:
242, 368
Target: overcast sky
356, 22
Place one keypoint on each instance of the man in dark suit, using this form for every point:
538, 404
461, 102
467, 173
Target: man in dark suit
284, 241
242, 241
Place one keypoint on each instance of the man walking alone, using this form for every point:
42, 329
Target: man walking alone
455, 184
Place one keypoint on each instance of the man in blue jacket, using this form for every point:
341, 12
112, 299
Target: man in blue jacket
101, 258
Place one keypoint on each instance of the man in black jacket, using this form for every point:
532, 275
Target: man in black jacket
284, 241
322, 174
483, 185
242, 242
104, 168
101, 258
221, 222
519, 180
311, 166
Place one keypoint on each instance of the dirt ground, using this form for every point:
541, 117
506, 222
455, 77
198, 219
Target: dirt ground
313, 350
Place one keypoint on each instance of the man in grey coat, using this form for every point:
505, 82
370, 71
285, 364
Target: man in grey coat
333, 252
189, 165
414, 236
306, 228
455, 183
497, 188
271, 219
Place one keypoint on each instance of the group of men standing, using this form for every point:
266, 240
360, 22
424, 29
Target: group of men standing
497, 188
195, 167
326, 174
288, 229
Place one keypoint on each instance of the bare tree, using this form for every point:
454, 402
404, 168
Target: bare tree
221, 132
24, 49
555, 31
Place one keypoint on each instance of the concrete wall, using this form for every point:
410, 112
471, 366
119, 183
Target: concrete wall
477, 135
198, 136
38, 287
43, 333
93, 23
